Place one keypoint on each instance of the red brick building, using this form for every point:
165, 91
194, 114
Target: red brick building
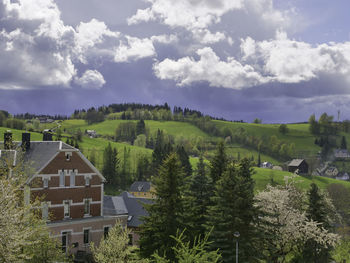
71, 190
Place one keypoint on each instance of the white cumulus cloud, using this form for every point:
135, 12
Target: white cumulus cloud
209, 68
91, 79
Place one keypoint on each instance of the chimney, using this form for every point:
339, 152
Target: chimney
8, 140
47, 136
26, 141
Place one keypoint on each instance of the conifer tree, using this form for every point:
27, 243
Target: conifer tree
343, 143
140, 127
218, 163
166, 212
316, 211
233, 210
185, 160
196, 202
160, 152
110, 165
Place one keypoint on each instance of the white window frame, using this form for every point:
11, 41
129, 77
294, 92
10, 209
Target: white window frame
64, 208
46, 182
87, 180
72, 178
89, 200
68, 155
89, 236
45, 210
62, 178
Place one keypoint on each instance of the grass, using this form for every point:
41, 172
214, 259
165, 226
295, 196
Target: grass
108, 127
263, 177
298, 134
17, 134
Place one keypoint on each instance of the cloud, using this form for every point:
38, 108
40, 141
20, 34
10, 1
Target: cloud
209, 68
134, 49
91, 79
290, 61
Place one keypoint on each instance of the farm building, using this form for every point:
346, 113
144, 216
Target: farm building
298, 166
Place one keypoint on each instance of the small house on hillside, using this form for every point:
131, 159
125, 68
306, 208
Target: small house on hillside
266, 165
343, 176
142, 189
331, 172
341, 154
91, 133
298, 166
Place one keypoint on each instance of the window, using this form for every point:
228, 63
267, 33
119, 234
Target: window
86, 236
68, 156
72, 178
105, 231
66, 205
64, 241
46, 182
45, 211
86, 206
62, 178
87, 181
130, 239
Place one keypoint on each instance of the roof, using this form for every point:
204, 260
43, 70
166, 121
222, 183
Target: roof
113, 206
135, 208
140, 186
296, 162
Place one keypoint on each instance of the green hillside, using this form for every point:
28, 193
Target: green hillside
263, 177
298, 134
17, 134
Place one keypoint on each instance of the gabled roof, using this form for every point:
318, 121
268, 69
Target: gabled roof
296, 162
140, 186
135, 208
41, 153
113, 206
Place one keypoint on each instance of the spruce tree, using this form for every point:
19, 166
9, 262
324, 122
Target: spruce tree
110, 165
343, 143
185, 160
218, 163
316, 211
233, 210
166, 212
196, 202
140, 127
160, 152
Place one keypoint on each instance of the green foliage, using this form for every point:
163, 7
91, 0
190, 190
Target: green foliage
140, 127
161, 150
218, 163
343, 144
283, 128
165, 214
257, 121
187, 252
115, 248
93, 116
110, 165
24, 235
233, 210
185, 160
196, 202
126, 132
314, 127
341, 252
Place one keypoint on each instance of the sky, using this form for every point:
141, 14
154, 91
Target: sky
277, 60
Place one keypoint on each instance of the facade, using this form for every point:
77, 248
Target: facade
298, 166
142, 190
71, 190
341, 154
343, 176
331, 172
266, 165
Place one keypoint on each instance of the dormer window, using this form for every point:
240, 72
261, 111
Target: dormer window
46, 182
68, 156
87, 180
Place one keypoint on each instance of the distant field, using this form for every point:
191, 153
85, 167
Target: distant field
17, 134
298, 134
263, 177
108, 127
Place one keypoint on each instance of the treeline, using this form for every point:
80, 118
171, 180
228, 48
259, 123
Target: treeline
29, 116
